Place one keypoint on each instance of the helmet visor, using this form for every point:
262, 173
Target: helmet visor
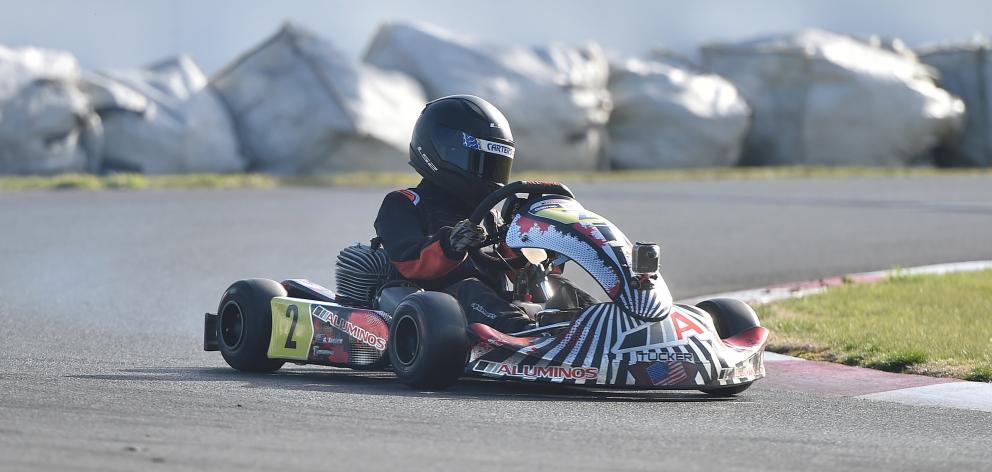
495, 168
489, 161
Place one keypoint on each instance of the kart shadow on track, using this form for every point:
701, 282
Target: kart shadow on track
385, 383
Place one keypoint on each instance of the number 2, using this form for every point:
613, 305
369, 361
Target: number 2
293, 311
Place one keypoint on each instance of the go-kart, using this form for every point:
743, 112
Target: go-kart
638, 339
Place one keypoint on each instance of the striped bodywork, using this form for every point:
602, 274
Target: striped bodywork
622, 349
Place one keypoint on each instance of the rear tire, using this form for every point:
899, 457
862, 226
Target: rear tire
730, 316
428, 341
244, 324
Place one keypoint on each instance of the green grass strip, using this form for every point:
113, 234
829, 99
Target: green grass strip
937, 325
135, 181
400, 179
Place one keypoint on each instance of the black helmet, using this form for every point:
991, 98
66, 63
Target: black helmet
462, 143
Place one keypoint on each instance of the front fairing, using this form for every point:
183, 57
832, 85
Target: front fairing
562, 225
606, 347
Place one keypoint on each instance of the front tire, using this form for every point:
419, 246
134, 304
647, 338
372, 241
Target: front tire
244, 324
428, 341
730, 316
727, 391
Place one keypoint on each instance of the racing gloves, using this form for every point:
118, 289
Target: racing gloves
466, 235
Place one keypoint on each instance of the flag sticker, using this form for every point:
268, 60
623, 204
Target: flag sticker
657, 372
664, 373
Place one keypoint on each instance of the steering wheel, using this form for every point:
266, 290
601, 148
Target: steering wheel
509, 192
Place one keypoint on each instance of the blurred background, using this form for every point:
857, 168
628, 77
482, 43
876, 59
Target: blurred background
323, 87
213, 32
759, 142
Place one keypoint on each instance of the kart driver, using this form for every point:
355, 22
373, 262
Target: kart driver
463, 149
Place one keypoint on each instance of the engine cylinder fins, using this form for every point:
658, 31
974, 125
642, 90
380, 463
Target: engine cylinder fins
360, 272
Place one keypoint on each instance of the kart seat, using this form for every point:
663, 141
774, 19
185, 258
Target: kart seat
390, 297
307, 290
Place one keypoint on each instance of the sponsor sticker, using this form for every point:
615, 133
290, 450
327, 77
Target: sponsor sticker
481, 309
745, 370
565, 211
472, 142
497, 148
426, 159
346, 326
325, 339
664, 356
684, 324
664, 373
547, 204
537, 372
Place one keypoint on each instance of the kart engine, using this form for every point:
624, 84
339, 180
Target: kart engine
360, 272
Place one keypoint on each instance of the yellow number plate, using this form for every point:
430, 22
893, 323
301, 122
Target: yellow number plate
292, 329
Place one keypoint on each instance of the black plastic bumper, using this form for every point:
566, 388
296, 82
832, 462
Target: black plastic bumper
210, 341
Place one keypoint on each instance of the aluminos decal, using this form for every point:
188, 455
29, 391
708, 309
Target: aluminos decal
538, 372
349, 328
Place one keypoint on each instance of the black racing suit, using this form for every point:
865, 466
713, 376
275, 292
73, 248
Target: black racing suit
414, 226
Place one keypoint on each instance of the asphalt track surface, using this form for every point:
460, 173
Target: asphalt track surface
102, 296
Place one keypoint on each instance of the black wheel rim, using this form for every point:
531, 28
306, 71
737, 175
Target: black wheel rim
407, 345
232, 325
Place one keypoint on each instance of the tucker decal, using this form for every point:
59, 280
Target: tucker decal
664, 356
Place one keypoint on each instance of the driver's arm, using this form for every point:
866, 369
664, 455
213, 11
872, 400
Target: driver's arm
417, 256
